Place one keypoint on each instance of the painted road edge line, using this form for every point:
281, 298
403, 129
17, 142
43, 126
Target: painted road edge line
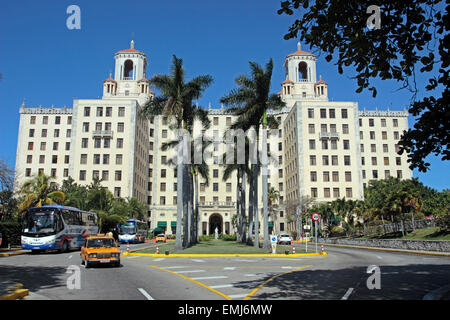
187, 255
442, 254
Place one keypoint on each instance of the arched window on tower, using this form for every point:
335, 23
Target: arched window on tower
303, 71
128, 72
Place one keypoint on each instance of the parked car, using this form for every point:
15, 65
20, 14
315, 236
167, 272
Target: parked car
284, 239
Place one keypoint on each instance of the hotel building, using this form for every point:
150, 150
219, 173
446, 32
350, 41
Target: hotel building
325, 149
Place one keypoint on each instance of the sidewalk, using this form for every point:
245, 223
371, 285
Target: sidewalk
5, 252
12, 291
432, 253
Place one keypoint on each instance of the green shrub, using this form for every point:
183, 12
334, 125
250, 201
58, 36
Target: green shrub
443, 222
11, 232
226, 237
337, 231
206, 237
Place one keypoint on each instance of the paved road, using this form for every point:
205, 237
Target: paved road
342, 274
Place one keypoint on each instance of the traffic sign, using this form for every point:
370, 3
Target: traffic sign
273, 239
307, 227
316, 216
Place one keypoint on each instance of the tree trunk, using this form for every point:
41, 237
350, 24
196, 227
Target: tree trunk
250, 213
178, 241
413, 224
238, 211
197, 212
255, 206
266, 243
186, 218
384, 228
243, 218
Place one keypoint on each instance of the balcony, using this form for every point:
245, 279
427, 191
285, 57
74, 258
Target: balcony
102, 134
328, 135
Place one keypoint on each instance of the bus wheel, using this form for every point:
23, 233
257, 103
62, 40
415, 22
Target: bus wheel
65, 246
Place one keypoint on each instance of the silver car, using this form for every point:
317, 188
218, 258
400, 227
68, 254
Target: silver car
284, 239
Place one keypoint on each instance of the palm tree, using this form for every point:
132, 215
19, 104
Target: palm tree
195, 170
176, 101
272, 197
250, 102
242, 171
39, 191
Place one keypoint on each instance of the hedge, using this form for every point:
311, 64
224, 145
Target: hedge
11, 232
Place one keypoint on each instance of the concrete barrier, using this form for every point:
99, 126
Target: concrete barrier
419, 245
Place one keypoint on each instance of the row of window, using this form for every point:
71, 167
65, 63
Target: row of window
386, 162
45, 120
104, 175
107, 126
108, 111
56, 133
334, 176
53, 172
326, 160
331, 113
98, 143
382, 122
324, 128
42, 159
43, 146
387, 174
96, 159
384, 135
333, 144
373, 148
327, 192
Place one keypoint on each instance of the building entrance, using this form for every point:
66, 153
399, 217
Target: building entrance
215, 221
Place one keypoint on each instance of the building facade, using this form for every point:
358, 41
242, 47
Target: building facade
323, 149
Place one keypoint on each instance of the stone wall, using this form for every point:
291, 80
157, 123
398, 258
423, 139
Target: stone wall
425, 245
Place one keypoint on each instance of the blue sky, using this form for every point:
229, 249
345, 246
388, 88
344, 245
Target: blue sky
45, 63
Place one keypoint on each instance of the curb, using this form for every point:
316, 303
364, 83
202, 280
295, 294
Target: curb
18, 293
442, 254
437, 294
14, 253
198, 255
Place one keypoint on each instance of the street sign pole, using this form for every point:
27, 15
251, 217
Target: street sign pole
315, 227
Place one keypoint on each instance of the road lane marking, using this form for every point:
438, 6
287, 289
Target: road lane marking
347, 294
70, 257
287, 267
229, 268
247, 297
196, 282
241, 295
191, 271
210, 277
145, 294
197, 260
221, 286
250, 275
159, 259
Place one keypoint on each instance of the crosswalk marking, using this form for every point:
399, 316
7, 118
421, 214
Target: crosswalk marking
229, 268
221, 286
208, 278
191, 271
241, 295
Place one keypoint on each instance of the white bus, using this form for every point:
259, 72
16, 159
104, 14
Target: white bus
55, 227
133, 231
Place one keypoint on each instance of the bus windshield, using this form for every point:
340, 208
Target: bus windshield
40, 222
127, 228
